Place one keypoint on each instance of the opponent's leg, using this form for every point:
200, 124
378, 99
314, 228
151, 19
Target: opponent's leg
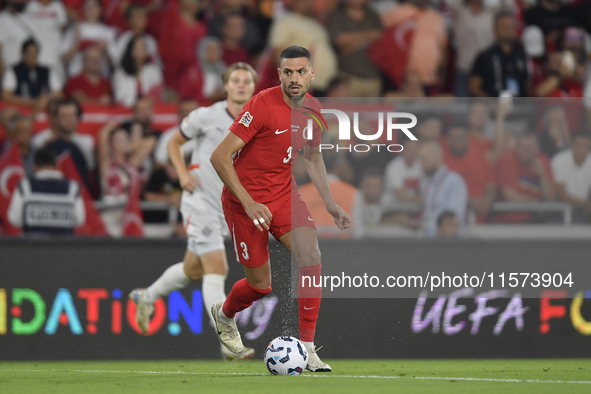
174, 278
302, 242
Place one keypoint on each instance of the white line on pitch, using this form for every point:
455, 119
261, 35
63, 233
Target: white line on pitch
305, 375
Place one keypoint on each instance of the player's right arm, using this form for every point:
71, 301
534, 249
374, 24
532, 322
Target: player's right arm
186, 179
189, 128
221, 159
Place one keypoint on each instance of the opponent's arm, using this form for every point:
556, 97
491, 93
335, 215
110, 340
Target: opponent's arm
186, 179
317, 173
221, 159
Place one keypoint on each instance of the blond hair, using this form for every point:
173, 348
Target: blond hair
239, 66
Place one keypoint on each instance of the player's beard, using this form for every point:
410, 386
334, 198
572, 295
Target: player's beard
300, 96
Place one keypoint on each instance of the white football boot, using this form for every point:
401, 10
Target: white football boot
143, 308
247, 353
315, 364
228, 333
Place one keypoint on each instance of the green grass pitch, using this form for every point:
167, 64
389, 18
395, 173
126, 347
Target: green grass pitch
348, 376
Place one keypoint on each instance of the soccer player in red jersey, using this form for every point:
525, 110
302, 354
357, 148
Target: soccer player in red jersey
254, 161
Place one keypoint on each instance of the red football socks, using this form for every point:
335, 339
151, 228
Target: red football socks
309, 297
241, 297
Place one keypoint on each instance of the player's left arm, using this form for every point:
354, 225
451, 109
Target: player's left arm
317, 173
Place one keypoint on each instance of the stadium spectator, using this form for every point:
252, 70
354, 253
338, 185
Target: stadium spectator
368, 206
116, 12
429, 128
232, 35
352, 28
212, 68
161, 157
6, 114
137, 22
15, 29
47, 203
88, 32
503, 66
119, 165
403, 175
572, 174
19, 131
426, 54
84, 142
563, 76
29, 84
90, 86
68, 114
524, 175
411, 87
552, 16
464, 155
556, 133
442, 190
300, 28
448, 225
344, 194
339, 87
480, 126
136, 75
47, 19
362, 159
473, 32
178, 41
263, 20
252, 40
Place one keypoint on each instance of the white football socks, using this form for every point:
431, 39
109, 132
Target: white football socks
213, 291
309, 345
223, 318
174, 278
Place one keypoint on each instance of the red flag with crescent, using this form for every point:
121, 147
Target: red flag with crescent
11, 172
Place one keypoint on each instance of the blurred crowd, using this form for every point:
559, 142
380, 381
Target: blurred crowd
59, 56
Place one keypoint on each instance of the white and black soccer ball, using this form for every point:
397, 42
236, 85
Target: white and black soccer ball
286, 356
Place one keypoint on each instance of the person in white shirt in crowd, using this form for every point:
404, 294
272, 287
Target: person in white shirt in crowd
84, 142
89, 32
572, 174
136, 75
161, 156
48, 19
213, 67
47, 203
403, 175
29, 84
15, 29
369, 205
137, 19
442, 189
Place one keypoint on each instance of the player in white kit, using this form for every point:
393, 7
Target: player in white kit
201, 204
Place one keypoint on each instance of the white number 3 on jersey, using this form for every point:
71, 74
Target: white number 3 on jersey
288, 158
244, 250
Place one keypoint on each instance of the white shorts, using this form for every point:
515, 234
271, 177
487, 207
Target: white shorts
205, 230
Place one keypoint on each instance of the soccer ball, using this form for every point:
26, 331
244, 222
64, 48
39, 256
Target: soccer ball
286, 356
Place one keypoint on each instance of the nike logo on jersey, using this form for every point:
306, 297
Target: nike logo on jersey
310, 219
309, 308
279, 132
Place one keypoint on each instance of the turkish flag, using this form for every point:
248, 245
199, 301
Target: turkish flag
133, 218
94, 225
393, 61
11, 172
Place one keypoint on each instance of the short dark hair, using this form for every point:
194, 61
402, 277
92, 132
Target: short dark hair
45, 157
68, 101
445, 215
29, 42
294, 52
372, 171
582, 134
503, 14
132, 8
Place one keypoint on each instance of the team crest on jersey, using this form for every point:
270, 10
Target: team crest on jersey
246, 119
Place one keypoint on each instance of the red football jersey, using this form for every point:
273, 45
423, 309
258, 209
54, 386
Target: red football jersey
274, 134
